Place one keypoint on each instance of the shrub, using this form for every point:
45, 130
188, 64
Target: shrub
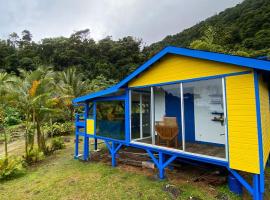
12, 116
34, 155
10, 167
57, 143
59, 129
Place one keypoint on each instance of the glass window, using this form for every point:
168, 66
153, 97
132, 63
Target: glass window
140, 113
204, 117
110, 120
167, 113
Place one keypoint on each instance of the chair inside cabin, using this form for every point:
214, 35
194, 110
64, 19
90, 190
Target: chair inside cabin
167, 131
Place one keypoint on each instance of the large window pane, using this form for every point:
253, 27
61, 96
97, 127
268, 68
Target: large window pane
140, 113
110, 120
204, 117
167, 109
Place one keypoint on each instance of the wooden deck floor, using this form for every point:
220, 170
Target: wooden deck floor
199, 148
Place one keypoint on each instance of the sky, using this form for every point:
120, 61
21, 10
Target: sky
149, 20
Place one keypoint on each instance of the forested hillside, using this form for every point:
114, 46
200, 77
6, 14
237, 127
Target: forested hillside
243, 28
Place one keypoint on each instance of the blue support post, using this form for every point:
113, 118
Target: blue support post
161, 168
76, 153
76, 150
259, 127
127, 116
160, 162
95, 121
113, 148
113, 155
95, 144
86, 138
257, 194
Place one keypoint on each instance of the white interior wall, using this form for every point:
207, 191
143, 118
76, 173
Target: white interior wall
159, 105
207, 130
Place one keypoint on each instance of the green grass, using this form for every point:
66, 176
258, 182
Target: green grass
61, 177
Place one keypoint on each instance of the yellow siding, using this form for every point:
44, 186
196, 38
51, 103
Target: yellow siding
242, 123
173, 68
265, 118
90, 126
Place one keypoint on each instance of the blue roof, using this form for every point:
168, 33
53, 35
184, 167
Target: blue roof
217, 57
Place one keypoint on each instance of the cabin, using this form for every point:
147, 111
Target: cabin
189, 104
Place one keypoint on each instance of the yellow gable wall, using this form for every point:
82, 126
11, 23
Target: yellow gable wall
265, 117
242, 123
173, 68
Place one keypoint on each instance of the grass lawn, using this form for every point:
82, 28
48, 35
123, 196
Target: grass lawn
61, 177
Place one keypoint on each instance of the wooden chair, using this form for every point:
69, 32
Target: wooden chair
167, 130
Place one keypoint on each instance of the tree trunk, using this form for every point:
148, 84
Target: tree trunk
40, 137
6, 147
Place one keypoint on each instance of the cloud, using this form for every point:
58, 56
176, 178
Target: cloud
150, 20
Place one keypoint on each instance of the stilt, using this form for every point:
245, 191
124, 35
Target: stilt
161, 163
86, 148
76, 153
113, 148
95, 144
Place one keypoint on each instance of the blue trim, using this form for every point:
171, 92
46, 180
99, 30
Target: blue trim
107, 139
218, 57
95, 116
194, 79
259, 126
127, 117
112, 98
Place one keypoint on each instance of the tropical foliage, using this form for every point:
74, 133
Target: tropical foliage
243, 28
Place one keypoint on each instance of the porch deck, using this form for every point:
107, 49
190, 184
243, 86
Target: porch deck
199, 148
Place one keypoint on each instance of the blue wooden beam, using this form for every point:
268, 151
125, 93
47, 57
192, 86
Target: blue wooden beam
86, 138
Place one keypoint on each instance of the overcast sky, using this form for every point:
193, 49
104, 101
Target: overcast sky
150, 20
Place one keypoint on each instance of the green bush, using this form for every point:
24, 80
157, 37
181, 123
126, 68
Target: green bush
57, 143
10, 167
12, 116
34, 155
59, 129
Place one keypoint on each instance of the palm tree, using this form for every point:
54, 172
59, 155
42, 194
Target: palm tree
33, 94
70, 84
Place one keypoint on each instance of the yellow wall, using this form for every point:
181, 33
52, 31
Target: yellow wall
173, 68
242, 123
265, 117
90, 126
